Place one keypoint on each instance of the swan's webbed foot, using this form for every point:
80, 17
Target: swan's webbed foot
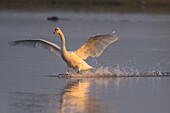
78, 72
67, 72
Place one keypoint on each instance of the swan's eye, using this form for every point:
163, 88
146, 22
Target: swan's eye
56, 29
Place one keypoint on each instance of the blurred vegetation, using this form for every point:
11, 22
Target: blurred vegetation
95, 5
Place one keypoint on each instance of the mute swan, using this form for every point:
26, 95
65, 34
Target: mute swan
74, 59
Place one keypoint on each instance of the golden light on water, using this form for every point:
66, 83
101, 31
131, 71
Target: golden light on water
76, 98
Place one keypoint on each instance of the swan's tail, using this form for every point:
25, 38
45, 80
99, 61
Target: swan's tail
90, 68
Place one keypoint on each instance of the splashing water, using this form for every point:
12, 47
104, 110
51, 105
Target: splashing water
103, 71
119, 71
109, 71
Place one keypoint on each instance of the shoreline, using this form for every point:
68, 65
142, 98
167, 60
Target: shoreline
91, 7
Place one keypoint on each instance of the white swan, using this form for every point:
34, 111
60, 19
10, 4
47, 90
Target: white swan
74, 59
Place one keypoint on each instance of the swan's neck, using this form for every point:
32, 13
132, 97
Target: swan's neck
63, 42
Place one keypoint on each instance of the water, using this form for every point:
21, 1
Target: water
143, 46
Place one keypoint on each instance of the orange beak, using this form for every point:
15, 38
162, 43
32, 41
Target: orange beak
54, 32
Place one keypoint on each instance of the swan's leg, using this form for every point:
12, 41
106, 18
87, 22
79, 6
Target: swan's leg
78, 72
68, 70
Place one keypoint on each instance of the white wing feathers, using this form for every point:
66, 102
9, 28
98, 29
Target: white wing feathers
95, 45
38, 43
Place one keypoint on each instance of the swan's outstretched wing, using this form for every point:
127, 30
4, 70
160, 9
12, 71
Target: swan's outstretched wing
37, 43
95, 45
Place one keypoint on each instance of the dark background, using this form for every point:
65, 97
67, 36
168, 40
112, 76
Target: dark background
153, 6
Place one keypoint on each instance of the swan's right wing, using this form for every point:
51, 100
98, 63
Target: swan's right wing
95, 45
37, 43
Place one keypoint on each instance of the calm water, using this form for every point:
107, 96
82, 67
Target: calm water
143, 46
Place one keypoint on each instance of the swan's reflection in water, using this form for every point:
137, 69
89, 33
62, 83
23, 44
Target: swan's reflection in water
76, 98
87, 96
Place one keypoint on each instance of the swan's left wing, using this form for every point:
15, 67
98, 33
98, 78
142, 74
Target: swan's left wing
95, 45
38, 43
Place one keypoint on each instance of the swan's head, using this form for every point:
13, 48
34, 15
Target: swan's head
57, 30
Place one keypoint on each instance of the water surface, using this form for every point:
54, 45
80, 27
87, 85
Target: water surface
143, 46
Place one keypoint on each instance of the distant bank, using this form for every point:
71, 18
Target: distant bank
154, 6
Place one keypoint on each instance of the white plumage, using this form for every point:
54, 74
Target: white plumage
74, 59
